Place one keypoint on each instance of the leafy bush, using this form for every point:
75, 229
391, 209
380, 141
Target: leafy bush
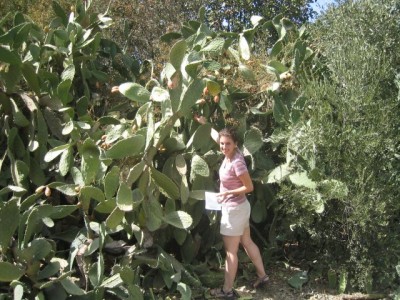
350, 134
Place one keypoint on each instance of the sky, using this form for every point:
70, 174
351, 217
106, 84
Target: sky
321, 4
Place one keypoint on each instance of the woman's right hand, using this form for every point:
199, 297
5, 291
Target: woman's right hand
222, 197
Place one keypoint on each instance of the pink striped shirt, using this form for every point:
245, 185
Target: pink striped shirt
229, 173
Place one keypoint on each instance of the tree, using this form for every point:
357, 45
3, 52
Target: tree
234, 16
139, 24
350, 134
38, 11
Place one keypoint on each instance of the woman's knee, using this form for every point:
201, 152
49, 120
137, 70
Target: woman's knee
231, 255
247, 243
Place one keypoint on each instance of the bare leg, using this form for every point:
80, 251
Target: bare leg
231, 244
253, 252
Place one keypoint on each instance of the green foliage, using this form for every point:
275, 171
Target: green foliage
347, 143
81, 182
10, 272
88, 177
240, 14
137, 29
56, 167
298, 280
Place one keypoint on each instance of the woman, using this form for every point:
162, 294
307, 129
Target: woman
235, 229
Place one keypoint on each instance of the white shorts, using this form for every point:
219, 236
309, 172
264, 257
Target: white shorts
235, 219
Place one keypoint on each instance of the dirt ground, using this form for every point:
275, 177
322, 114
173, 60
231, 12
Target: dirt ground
279, 289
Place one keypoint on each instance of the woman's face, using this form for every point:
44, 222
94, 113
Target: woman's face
227, 146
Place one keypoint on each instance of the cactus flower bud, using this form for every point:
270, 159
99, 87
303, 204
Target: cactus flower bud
47, 191
201, 101
39, 189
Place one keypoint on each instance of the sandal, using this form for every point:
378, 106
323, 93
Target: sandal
220, 293
260, 282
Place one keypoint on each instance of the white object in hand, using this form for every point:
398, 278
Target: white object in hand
212, 202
